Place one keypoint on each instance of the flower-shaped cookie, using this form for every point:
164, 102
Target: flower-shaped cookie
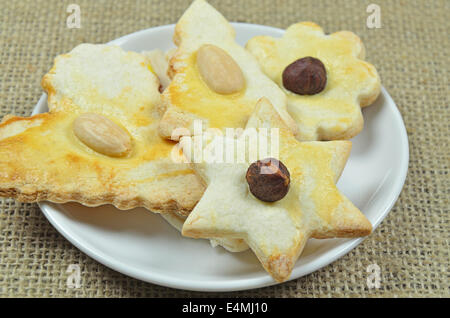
351, 83
275, 231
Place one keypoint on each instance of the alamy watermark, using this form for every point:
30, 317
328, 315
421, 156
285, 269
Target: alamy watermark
236, 145
374, 19
374, 277
74, 19
74, 277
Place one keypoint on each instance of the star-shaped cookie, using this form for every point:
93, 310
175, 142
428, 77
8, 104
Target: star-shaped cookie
277, 231
335, 112
42, 157
189, 96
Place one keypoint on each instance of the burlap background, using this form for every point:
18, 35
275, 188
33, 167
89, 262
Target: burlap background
411, 53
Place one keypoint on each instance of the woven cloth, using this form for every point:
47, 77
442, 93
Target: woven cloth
411, 53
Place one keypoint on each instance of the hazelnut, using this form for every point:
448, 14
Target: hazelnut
268, 179
305, 76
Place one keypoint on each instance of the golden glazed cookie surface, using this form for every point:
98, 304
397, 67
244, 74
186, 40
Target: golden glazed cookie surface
42, 159
334, 113
176, 219
189, 98
194, 96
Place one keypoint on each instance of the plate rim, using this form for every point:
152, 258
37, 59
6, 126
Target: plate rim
240, 284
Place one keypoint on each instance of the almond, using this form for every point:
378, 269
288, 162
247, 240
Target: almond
102, 135
219, 71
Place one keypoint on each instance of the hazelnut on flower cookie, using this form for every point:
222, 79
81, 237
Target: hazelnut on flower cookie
273, 200
325, 78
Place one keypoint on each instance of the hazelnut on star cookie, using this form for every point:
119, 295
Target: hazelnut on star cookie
273, 200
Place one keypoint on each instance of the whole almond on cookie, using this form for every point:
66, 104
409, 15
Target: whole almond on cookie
219, 71
102, 135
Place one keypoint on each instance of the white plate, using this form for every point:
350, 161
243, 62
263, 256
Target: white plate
142, 245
